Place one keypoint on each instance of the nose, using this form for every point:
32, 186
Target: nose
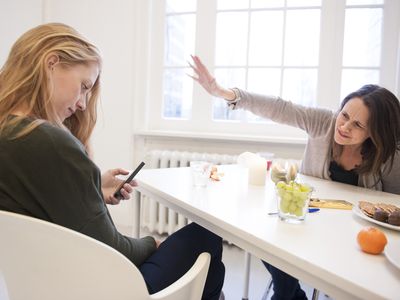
346, 126
81, 104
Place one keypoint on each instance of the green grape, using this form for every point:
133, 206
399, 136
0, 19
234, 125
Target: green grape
292, 207
304, 196
299, 211
281, 185
289, 188
305, 188
286, 201
287, 197
284, 207
300, 205
297, 194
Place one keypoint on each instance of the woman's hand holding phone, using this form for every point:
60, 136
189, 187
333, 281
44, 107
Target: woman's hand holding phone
118, 193
110, 181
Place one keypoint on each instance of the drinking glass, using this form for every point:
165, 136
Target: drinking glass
201, 171
293, 199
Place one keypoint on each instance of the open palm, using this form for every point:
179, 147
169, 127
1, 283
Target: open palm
204, 78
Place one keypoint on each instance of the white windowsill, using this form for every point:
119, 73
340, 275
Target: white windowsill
220, 137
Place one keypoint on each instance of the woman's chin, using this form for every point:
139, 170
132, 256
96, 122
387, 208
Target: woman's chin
338, 140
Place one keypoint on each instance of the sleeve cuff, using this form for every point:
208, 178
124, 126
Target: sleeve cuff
232, 104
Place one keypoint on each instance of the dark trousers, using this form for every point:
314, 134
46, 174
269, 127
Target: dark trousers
286, 287
177, 254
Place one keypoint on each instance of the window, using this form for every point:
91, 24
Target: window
258, 46
311, 52
362, 44
180, 28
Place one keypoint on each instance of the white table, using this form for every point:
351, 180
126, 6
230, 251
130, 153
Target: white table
322, 251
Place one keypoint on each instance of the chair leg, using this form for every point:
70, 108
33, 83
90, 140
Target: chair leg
315, 294
247, 261
136, 215
267, 290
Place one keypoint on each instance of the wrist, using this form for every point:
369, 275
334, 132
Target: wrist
238, 96
228, 94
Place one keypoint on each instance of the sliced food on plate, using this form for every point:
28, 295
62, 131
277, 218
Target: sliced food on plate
382, 212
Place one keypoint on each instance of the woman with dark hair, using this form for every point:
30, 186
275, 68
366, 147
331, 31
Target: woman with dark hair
384, 128
358, 145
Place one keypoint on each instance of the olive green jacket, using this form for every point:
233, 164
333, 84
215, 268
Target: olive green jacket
47, 174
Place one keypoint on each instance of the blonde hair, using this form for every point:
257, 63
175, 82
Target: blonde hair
24, 80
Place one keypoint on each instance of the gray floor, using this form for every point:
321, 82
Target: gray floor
233, 258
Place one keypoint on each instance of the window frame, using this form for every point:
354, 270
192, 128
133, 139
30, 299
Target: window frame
328, 81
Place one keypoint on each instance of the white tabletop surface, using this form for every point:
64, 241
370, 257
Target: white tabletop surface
321, 251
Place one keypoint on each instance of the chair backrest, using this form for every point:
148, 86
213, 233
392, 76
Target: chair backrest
42, 261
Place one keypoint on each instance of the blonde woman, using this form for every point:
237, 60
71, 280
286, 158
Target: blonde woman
49, 88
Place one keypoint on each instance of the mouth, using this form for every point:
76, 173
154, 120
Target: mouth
341, 134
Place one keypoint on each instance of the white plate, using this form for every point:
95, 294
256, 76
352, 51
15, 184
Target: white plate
392, 252
358, 212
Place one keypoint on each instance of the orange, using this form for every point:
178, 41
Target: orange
371, 240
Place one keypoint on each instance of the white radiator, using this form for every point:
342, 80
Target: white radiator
155, 216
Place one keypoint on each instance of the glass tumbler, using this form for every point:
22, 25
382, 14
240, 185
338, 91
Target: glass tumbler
293, 199
201, 171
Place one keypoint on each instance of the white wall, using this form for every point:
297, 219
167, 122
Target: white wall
15, 18
109, 25
118, 28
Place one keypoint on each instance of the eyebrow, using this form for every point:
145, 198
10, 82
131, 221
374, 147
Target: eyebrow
355, 121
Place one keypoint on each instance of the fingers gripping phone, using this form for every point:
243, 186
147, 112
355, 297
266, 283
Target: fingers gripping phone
117, 193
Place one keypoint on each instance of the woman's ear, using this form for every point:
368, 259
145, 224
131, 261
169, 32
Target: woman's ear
52, 60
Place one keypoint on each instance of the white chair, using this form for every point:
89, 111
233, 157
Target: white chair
43, 261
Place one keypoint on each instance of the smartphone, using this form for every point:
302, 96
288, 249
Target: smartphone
117, 193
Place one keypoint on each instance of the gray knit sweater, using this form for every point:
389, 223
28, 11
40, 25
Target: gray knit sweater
319, 124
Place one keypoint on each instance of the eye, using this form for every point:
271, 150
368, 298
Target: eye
84, 87
359, 125
345, 115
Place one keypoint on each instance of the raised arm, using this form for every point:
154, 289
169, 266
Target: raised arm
313, 120
208, 82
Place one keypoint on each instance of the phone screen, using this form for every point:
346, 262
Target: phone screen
117, 193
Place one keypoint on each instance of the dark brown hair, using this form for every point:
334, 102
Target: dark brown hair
383, 126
